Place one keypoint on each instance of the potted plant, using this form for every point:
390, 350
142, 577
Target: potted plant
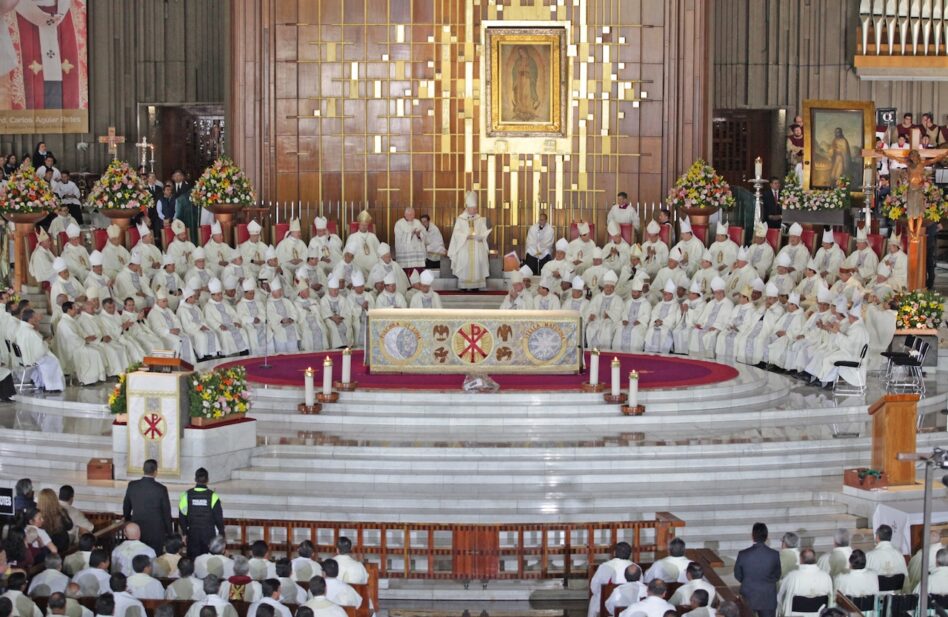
120, 194
25, 198
118, 400
223, 189
700, 192
218, 396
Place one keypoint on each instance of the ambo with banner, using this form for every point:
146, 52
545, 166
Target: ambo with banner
473, 341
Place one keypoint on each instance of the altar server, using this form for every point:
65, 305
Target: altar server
711, 322
623, 212
723, 250
605, 314
338, 316
539, 245
203, 338
328, 246
760, 253
283, 320
181, 248
48, 373
114, 254
808, 581
664, 317
222, 318
829, 257
75, 254
654, 250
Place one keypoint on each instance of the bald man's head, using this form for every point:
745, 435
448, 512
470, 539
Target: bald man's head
133, 531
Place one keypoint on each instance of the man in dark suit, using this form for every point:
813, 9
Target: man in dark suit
772, 212
146, 503
758, 570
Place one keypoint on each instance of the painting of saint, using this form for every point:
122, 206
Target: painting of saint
525, 100
838, 137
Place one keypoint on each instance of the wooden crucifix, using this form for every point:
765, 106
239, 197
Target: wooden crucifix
113, 141
916, 159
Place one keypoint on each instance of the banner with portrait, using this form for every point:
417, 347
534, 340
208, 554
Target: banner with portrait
44, 69
473, 341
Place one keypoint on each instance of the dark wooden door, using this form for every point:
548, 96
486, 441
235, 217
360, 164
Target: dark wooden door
738, 137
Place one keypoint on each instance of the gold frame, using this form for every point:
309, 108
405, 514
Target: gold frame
868, 109
555, 38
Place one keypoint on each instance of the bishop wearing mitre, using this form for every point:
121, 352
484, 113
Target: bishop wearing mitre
468, 250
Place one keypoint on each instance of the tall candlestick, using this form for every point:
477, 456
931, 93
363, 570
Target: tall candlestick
633, 389
616, 385
346, 365
327, 376
310, 396
758, 168
594, 368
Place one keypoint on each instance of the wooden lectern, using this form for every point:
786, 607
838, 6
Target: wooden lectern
893, 431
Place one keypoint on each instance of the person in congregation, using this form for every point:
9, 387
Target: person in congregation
351, 570
390, 297
239, 586
700, 604
337, 315
897, 261
61, 222
539, 245
807, 581
558, 268
114, 254
753, 343
545, 300
757, 569
789, 553
695, 581
796, 251
337, 591
654, 604
319, 604
215, 561
915, 564
689, 311
94, 579
142, 585
21, 603
186, 586
213, 599
290, 591
856, 581
69, 195
132, 546
328, 246
885, 559
132, 283
166, 564
611, 571
181, 248
836, 561
253, 249
79, 560
576, 300
304, 566
51, 580
594, 274
270, 596
706, 273
47, 373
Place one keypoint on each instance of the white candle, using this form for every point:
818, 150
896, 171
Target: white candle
633, 389
616, 385
327, 376
346, 365
758, 168
867, 176
310, 397
594, 368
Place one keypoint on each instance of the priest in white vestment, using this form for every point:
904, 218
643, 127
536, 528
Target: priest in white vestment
42, 257
338, 316
222, 318
580, 251
694, 574
410, 241
857, 581
836, 561
165, 323
691, 248
469, 249
253, 249
604, 314
628, 593
82, 359
670, 568
252, 313
114, 254
760, 254
75, 254
807, 581
203, 338
630, 336
938, 577
181, 248
653, 605
885, 559
664, 318
283, 320
712, 321
112, 352
612, 571
48, 373
427, 298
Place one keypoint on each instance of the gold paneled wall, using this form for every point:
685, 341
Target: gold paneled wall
340, 103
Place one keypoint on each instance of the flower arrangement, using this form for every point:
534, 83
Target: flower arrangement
25, 192
919, 309
701, 186
896, 202
793, 197
222, 183
218, 393
118, 397
120, 188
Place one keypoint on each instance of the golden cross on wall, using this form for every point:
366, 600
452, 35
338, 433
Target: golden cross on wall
113, 141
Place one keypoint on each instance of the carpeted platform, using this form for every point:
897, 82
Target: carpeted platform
655, 372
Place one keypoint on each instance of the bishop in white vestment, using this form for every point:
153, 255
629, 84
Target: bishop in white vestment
165, 323
630, 336
204, 340
664, 318
252, 313
283, 320
410, 241
469, 249
711, 322
337, 316
221, 317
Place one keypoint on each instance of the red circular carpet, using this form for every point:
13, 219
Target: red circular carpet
654, 372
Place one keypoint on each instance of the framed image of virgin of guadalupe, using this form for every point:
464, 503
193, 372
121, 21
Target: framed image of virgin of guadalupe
835, 134
527, 82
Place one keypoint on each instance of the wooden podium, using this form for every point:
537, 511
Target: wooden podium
893, 431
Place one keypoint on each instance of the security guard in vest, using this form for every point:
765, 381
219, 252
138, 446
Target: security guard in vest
201, 516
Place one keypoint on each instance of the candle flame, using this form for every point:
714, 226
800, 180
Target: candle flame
327, 361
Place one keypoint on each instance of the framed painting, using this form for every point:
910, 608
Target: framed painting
527, 82
835, 134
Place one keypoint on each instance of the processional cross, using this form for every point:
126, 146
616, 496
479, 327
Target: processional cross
916, 160
113, 141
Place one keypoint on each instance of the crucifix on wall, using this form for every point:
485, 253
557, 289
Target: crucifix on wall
112, 140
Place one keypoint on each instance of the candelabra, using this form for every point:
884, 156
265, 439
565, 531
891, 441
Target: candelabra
758, 183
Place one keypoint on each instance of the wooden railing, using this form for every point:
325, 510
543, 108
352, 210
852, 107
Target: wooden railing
458, 552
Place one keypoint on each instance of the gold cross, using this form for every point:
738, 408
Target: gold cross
113, 141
